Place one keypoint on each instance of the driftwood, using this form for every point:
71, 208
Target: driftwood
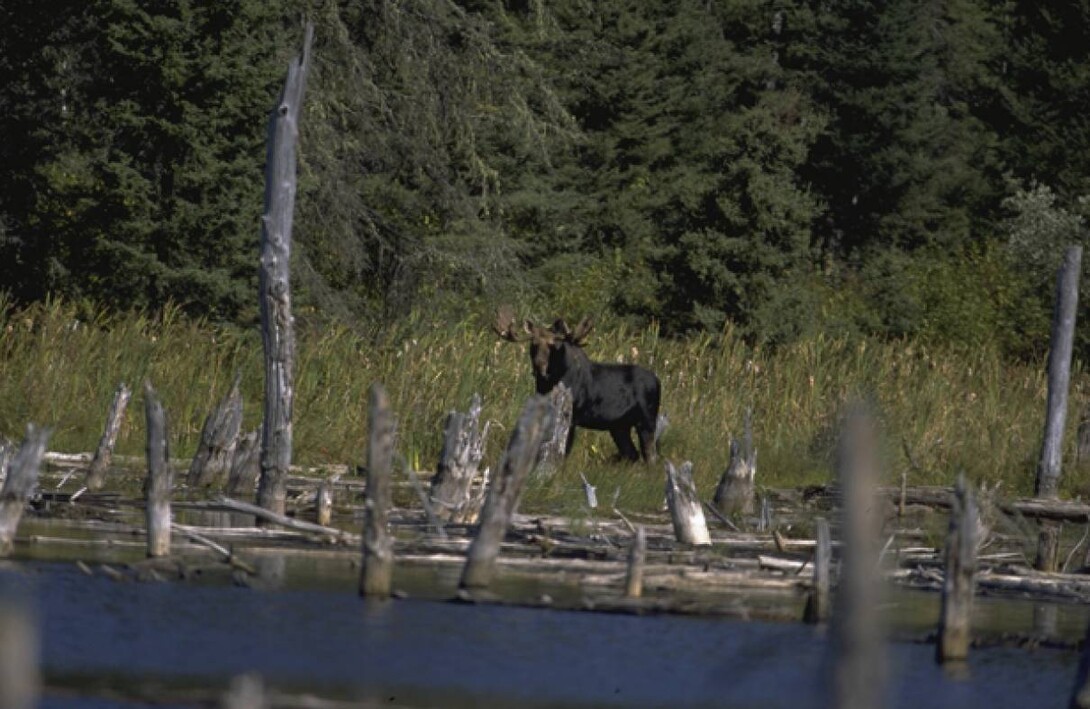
377, 567
245, 464
819, 602
734, 495
96, 473
160, 480
555, 445
19, 649
504, 492
452, 495
1047, 484
957, 586
219, 438
859, 664
277, 322
637, 556
690, 527
271, 517
19, 484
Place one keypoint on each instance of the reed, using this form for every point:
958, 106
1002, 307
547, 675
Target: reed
943, 410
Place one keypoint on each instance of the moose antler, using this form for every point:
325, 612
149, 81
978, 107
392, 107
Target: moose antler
582, 330
505, 324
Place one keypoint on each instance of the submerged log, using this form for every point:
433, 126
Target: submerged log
452, 489
219, 438
19, 484
957, 586
819, 602
504, 492
277, 322
690, 527
555, 445
160, 480
637, 555
377, 567
859, 663
245, 464
96, 473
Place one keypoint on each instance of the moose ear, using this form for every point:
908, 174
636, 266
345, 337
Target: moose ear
528, 326
582, 330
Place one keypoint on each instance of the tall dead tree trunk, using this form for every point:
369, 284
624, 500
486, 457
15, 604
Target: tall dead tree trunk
1059, 376
96, 473
277, 323
377, 569
160, 480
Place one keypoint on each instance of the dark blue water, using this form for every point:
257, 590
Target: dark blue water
331, 643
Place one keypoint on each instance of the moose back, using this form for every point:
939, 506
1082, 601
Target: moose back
605, 397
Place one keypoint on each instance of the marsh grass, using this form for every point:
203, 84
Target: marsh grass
943, 410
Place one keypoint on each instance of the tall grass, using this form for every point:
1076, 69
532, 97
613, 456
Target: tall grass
943, 411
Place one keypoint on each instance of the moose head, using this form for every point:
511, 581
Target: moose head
605, 397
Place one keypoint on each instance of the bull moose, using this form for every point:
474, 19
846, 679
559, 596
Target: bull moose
605, 397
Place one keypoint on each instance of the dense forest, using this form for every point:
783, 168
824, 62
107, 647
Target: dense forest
788, 166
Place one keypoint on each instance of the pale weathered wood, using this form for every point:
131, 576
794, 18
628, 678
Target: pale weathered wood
819, 602
266, 516
324, 503
20, 678
452, 497
219, 438
96, 473
1049, 466
555, 445
160, 479
734, 495
19, 484
7, 452
377, 568
245, 464
960, 573
637, 556
277, 322
504, 491
859, 671
686, 512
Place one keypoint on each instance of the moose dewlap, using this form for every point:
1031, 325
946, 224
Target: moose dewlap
618, 398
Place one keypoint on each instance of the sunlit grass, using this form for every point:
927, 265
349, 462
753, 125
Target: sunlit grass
943, 411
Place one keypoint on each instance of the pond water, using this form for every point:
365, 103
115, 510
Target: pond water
307, 632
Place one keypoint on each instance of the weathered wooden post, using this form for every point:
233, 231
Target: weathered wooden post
734, 495
504, 492
451, 492
819, 601
377, 569
637, 554
277, 322
19, 674
219, 438
245, 464
324, 503
859, 671
555, 446
160, 480
957, 585
96, 473
686, 512
7, 450
19, 484
1059, 376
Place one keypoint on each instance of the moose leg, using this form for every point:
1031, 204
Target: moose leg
647, 444
623, 438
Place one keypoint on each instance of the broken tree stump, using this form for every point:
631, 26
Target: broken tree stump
377, 567
274, 284
859, 658
19, 484
686, 512
96, 473
819, 602
219, 438
555, 446
19, 649
637, 554
160, 480
504, 491
734, 495
323, 503
245, 464
452, 489
957, 585
1047, 484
